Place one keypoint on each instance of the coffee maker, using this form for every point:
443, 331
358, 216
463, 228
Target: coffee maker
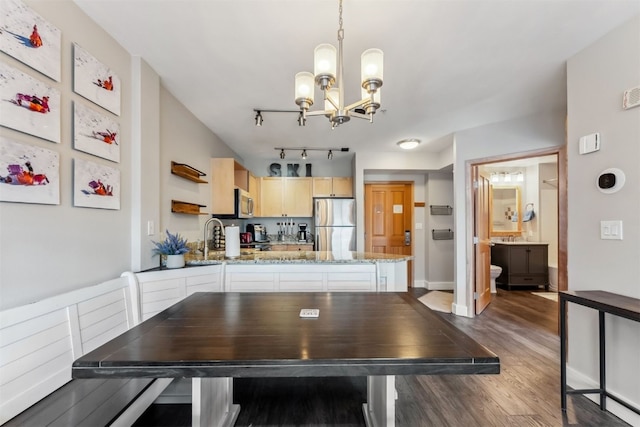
258, 231
302, 232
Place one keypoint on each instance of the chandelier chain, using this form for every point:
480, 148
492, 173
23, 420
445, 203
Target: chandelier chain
340, 30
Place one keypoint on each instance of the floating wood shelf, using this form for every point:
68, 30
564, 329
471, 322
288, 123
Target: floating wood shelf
187, 208
185, 171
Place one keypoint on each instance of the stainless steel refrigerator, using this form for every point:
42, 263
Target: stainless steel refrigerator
334, 224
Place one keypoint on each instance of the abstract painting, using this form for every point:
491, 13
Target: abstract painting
95, 81
28, 174
29, 105
95, 185
95, 133
29, 38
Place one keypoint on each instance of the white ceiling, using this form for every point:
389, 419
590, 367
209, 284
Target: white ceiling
449, 65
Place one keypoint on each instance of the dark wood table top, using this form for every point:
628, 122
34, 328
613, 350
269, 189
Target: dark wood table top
608, 302
262, 335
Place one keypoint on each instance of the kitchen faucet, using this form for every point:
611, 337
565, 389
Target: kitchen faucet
206, 226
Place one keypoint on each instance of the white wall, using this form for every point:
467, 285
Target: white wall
532, 133
50, 249
440, 254
597, 77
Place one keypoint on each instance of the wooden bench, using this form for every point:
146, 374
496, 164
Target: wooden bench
40, 341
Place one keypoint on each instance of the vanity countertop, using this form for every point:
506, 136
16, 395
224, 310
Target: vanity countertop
520, 243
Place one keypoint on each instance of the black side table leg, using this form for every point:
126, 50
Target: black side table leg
563, 353
603, 386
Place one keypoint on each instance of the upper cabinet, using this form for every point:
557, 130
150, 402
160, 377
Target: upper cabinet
332, 187
286, 197
254, 192
226, 175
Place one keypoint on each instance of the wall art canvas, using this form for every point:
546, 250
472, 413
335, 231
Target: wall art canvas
95, 81
28, 174
28, 104
95, 185
29, 38
95, 133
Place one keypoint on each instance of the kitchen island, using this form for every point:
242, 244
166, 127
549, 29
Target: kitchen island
271, 271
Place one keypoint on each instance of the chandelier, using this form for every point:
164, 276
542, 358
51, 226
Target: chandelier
328, 76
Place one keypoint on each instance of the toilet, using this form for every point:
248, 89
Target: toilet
495, 272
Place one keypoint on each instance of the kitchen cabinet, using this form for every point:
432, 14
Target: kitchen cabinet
300, 278
162, 289
254, 192
292, 247
337, 186
226, 175
286, 197
523, 264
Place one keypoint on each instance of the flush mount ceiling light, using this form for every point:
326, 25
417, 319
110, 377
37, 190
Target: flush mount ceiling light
328, 76
408, 144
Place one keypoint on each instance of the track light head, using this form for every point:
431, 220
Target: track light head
282, 155
259, 119
330, 155
304, 154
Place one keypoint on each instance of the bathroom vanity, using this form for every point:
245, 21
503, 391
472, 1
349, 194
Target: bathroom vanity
523, 263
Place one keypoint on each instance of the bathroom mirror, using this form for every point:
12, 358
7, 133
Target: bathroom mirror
506, 211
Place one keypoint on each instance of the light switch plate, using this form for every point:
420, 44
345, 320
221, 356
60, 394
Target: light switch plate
611, 230
151, 228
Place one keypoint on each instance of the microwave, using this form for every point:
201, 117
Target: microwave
242, 206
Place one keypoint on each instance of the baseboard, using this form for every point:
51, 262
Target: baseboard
420, 284
460, 310
440, 286
578, 381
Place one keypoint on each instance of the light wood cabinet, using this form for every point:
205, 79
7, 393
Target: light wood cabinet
226, 175
286, 197
254, 191
333, 186
292, 247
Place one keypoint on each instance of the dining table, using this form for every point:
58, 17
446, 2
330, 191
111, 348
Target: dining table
213, 338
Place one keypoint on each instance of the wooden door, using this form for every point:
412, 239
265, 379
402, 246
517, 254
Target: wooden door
483, 243
388, 216
297, 199
271, 191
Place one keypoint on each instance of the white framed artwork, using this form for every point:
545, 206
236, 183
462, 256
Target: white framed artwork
30, 39
95, 81
29, 105
95, 133
95, 185
28, 174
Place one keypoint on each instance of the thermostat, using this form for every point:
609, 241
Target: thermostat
610, 180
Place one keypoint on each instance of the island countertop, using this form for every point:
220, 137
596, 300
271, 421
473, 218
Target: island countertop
296, 257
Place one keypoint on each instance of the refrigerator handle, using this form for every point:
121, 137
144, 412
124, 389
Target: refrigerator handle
407, 237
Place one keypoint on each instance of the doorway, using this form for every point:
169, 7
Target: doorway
388, 219
541, 178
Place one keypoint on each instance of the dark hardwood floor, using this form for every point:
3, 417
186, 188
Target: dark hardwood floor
518, 326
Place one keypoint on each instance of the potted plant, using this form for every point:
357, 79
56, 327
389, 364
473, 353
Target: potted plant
173, 247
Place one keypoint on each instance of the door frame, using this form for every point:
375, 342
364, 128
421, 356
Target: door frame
561, 152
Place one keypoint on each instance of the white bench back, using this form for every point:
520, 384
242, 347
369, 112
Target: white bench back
40, 341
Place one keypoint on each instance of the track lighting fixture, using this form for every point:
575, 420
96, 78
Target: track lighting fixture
259, 118
305, 149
